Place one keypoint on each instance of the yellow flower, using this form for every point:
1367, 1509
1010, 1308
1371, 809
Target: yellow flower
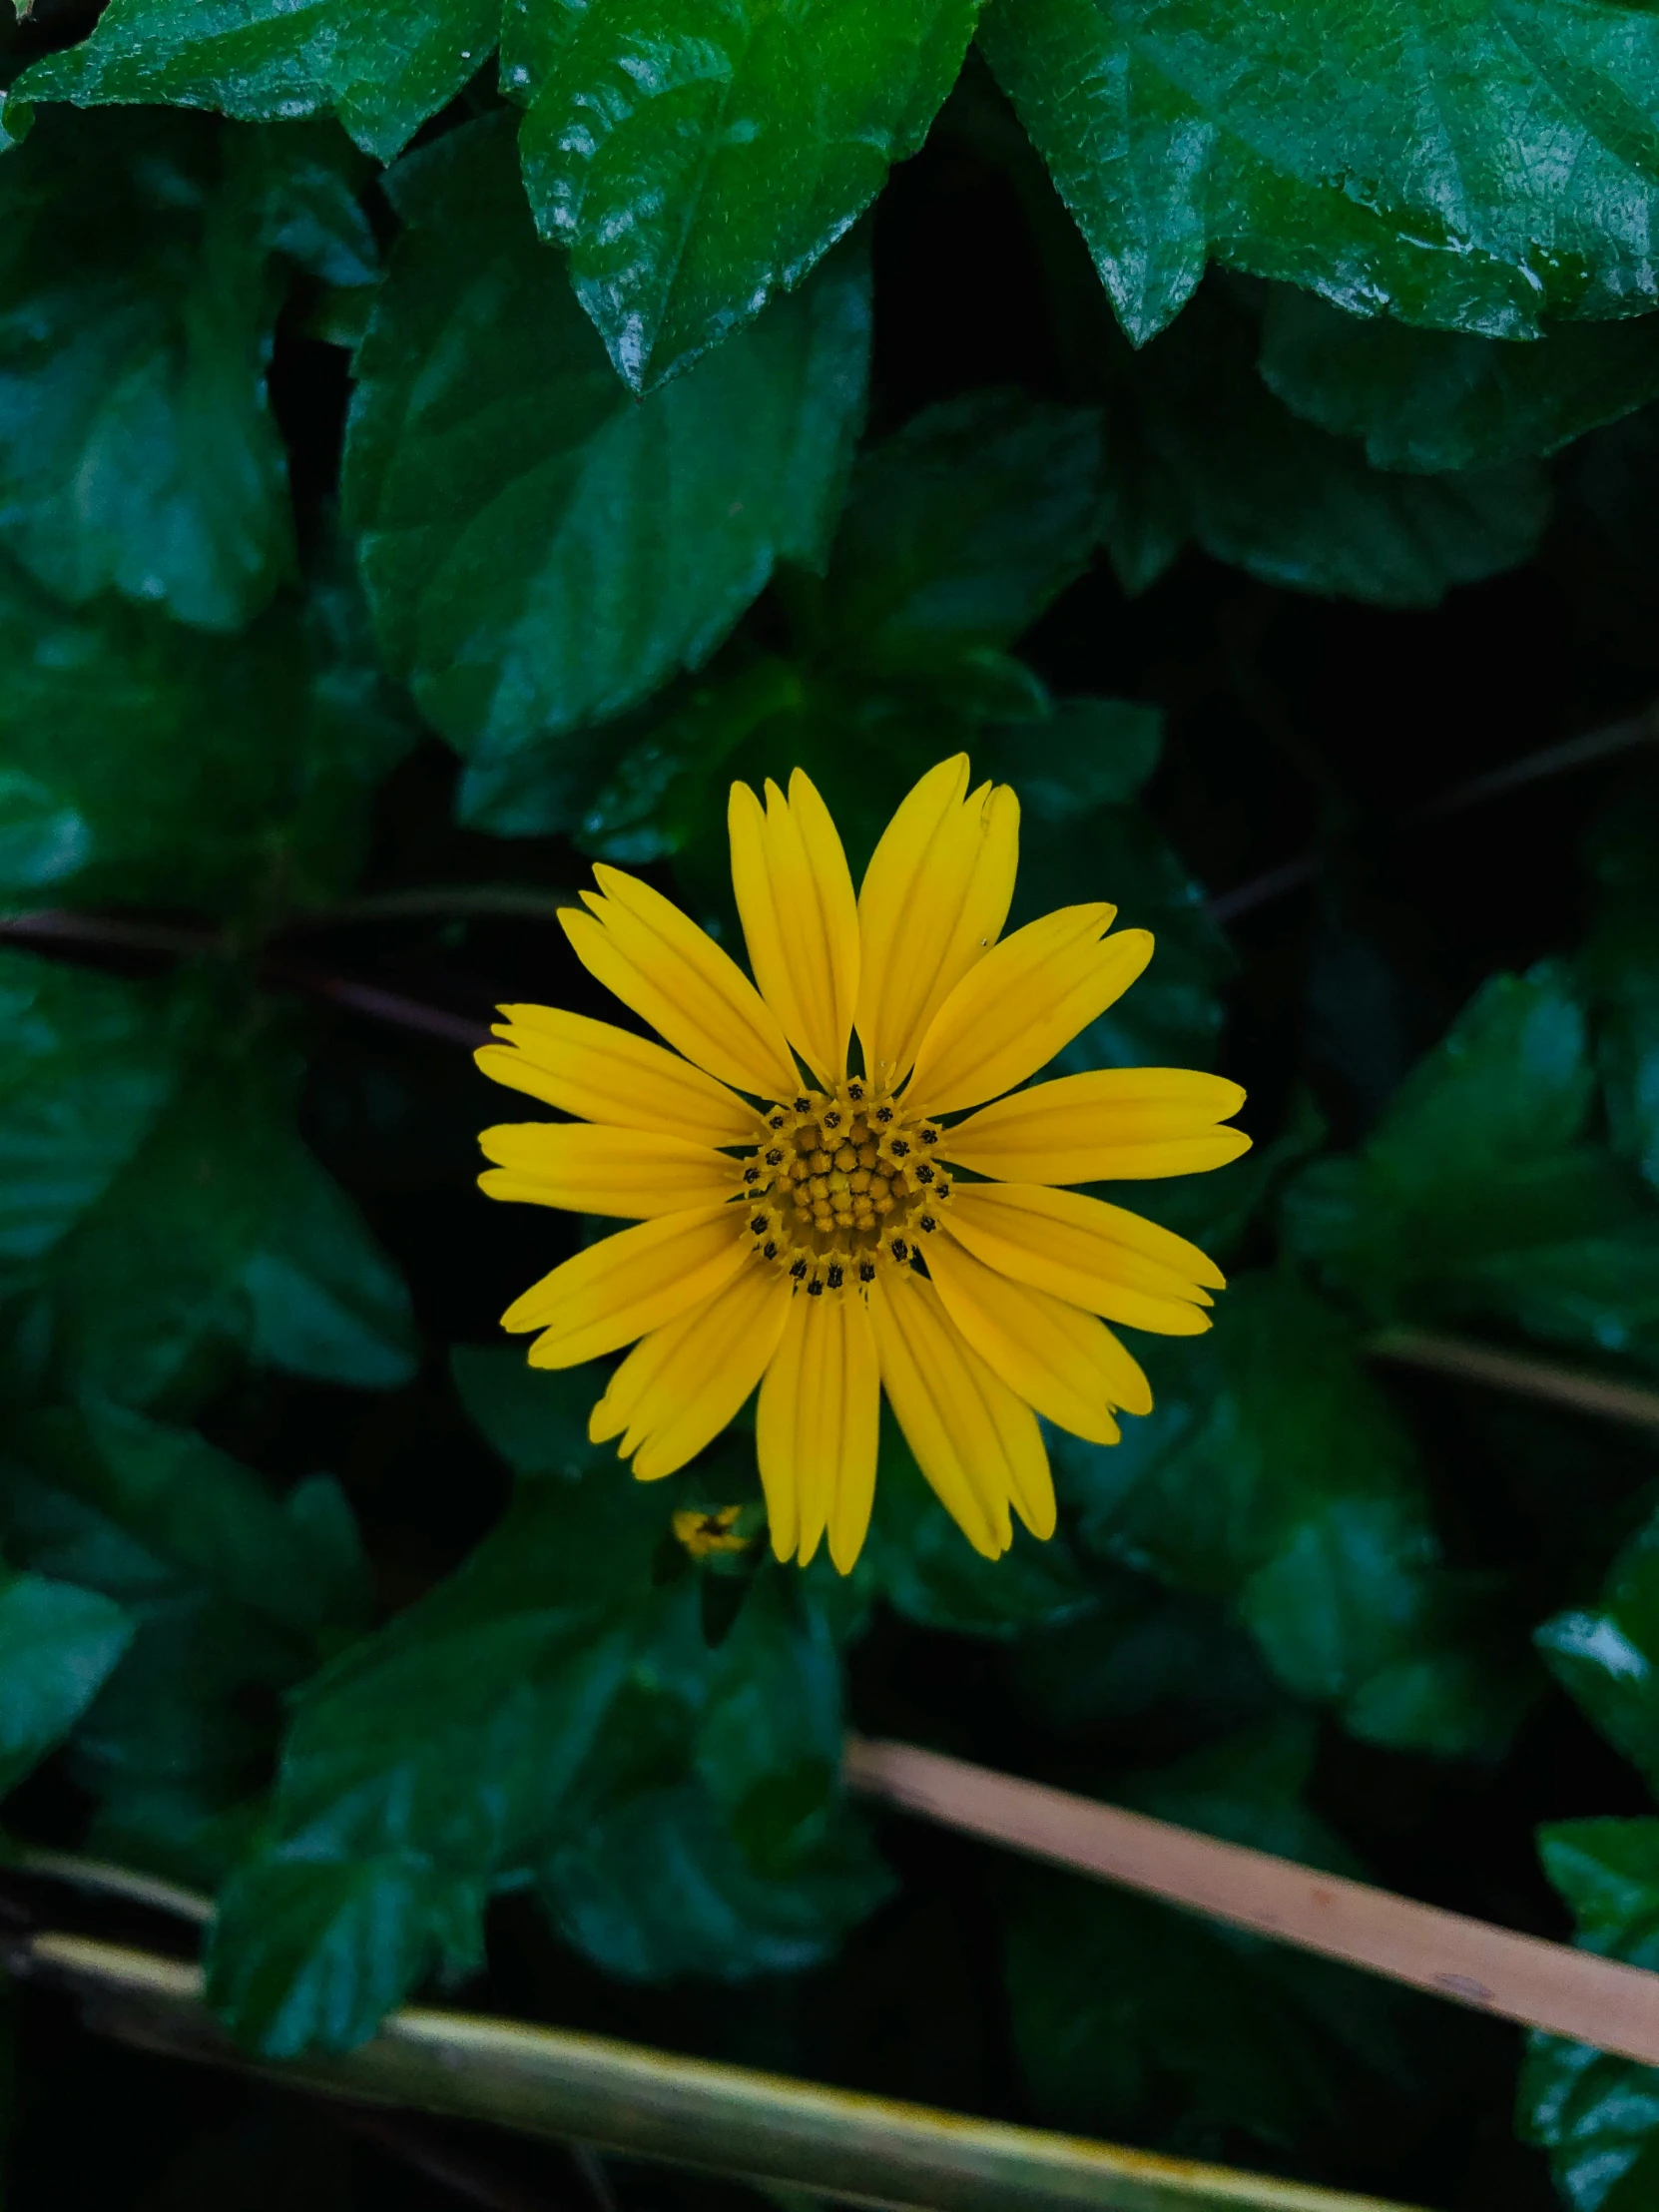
832, 1234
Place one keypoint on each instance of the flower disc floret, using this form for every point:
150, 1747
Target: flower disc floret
843, 1184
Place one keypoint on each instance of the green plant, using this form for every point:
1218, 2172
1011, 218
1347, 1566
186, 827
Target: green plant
444, 446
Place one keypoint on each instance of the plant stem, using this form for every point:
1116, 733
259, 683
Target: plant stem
1516, 1371
380, 1006
459, 902
1550, 759
1519, 1977
1261, 889
100, 1875
114, 932
759, 2128
1531, 768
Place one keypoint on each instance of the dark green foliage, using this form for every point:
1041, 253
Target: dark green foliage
443, 446
553, 1713
263, 61
539, 549
1392, 165
58, 1643
235, 771
731, 154
1484, 1192
144, 261
1424, 400
1621, 976
1603, 1653
1598, 2115
179, 1221
1198, 448
226, 1597
1274, 1475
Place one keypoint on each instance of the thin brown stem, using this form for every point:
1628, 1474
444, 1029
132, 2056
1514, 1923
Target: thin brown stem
1519, 1977
380, 1006
1550, 759
1262, 890
1516, 1371
117, 933
459, 902
110, 934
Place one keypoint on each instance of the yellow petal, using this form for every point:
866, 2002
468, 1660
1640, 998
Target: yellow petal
673, 975
817, 1426
619, 1288
933, 900
800, 918
1111, 1124
679, 1387
602, 1073
1027, 998
974, 1439
1099, 1257
589, 1170
1062, 1362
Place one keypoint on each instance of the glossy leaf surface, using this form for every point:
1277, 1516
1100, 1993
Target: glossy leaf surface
541, 550
382, 68
694, 166
1471, 169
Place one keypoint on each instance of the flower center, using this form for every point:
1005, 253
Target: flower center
844, 1181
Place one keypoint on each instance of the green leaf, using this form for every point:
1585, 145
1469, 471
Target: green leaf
657, 1887
198, 1517
87, 1066
1127, 2014
270, 61
1425, 400
960, 529
507, 1728
1606, 1654
1598, 2116
58, 1644
1139, 1657
143, 761
223, 1240
1198, 448
540, 549
1472, 170
183, 1224
233, 1595
535, 1418
1274, 1475
1084, 754
1482, 1194
365, 1928
693, 168
761, 1868
139, 291
1620, 972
